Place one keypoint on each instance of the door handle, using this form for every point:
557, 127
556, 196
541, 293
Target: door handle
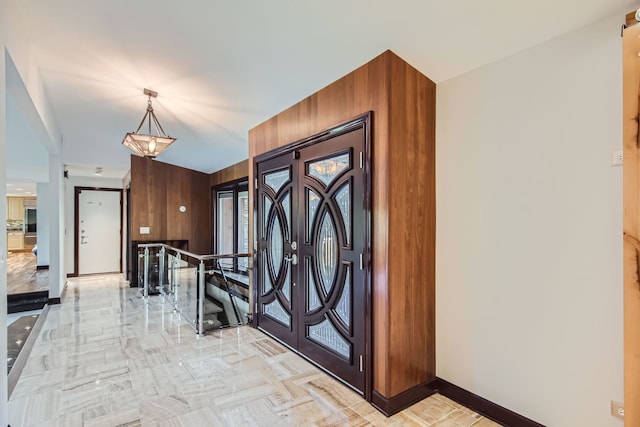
292, 258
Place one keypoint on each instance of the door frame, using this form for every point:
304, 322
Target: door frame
127, 249
76, 225
364, 121
236, 186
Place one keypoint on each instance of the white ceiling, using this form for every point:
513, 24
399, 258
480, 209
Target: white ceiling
27, 160
22, 189
222, 67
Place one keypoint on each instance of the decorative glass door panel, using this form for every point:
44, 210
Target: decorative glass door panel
311, 239
274, 242
332, 324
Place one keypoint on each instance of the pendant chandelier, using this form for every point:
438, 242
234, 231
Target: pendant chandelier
148, 145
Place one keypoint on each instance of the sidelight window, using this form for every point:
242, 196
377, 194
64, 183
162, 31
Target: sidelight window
231, 231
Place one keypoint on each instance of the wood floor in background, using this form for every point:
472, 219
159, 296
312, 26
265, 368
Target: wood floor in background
22, 275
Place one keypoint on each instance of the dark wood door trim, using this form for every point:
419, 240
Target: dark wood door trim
128, 254
76, 225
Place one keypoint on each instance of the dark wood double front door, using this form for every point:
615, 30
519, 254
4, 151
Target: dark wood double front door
311, 229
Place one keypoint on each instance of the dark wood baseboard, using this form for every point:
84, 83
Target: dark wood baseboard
54, 301
42, 267
395, 404
481, 405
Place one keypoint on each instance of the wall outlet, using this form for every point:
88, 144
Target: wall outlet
144, 230
617, 409
616, 158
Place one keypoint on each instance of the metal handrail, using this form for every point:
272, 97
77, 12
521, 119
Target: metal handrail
146, 272
191, 254
200, 298
231, 297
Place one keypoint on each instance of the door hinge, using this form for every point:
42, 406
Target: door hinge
361, 364
361, 160
361, 262
256, 183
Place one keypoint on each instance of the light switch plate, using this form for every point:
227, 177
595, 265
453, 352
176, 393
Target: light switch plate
616, 158
144, 230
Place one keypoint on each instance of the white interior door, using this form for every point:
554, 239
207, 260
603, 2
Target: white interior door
99, 231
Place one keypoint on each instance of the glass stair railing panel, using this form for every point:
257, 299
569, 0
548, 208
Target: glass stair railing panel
185, 289
229, 290
209, 291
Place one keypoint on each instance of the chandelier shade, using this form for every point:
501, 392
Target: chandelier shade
148, 144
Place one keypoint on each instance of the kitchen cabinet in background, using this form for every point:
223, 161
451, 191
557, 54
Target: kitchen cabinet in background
15, 240
15, 208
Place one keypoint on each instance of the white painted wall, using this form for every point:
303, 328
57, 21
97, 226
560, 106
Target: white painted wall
70, 184
4, 393
43, 212
57, 275
529, 230
36, 114
20, 77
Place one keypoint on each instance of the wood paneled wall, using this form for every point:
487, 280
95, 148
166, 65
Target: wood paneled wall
631, 224
403, 159
232, 173
411, 224
157, 191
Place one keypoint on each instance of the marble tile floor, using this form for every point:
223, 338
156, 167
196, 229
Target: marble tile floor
107, 357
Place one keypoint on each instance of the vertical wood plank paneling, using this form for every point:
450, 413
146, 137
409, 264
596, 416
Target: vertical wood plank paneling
631, 223
375, 87
181, 190
411, 286
403, 158
157, 191
232, 173
322, 110
201, 217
